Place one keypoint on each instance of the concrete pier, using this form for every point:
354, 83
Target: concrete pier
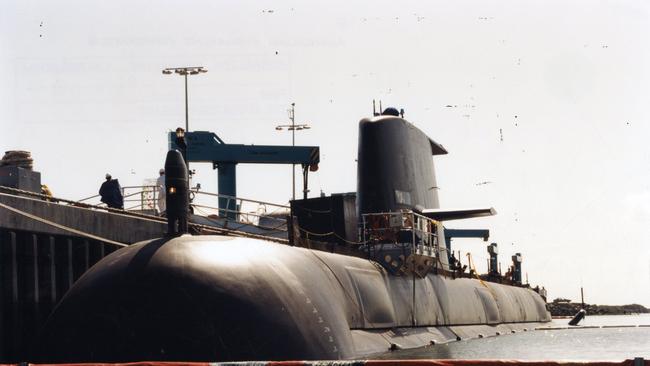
117, 227
39, 262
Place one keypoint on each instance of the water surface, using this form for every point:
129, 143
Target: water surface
576, 343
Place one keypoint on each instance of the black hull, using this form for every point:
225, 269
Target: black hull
224, 299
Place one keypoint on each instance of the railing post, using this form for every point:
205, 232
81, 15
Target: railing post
413, 228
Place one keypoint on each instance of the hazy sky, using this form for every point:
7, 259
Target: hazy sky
549, 119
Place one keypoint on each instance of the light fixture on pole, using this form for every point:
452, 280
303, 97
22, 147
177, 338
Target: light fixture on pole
293, 127
184, 71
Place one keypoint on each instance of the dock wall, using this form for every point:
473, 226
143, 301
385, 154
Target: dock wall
117, 227
37, 269
39, 262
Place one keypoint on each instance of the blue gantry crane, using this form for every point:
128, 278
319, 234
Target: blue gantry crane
207, 147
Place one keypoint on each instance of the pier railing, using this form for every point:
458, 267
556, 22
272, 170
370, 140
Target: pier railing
136, 198
205, 228
255, 212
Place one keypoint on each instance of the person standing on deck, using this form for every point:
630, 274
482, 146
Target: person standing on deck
161, 191
111, 193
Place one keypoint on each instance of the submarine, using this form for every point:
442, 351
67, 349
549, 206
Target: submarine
391, 284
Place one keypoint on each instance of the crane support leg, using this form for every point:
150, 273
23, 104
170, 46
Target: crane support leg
227, 180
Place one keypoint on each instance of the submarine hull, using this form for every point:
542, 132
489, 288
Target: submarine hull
211, 298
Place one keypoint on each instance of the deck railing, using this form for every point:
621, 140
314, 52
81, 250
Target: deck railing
261, 213
405, 227
136, 198
402, 242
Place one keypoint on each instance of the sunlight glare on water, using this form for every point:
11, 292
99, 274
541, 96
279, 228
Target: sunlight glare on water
564, 344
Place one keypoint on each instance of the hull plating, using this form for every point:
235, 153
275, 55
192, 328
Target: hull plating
221, 298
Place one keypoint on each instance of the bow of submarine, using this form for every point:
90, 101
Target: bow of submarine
198, 299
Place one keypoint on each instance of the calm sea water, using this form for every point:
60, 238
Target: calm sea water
617, 343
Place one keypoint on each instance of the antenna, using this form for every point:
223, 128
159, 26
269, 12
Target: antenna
381, 110
374, 111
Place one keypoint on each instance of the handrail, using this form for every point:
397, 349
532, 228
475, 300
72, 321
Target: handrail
123, 188
143, 186
240, 199
87, 198
281, 226
75, 203
205, 228
229, 210
195, 191
145, 199
263, 209
383, 227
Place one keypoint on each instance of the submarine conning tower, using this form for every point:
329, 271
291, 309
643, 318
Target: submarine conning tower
395, 169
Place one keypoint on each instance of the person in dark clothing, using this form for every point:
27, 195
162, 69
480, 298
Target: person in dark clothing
111, 193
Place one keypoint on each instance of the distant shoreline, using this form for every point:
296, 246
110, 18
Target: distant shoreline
571, 317
566, 308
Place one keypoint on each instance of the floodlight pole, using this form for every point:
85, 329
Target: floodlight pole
293, 127
293, 143
184, 71
187, 119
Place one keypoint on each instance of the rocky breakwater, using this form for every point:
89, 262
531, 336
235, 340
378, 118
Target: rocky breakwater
564, 307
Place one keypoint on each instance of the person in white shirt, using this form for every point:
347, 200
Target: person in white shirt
161, 191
